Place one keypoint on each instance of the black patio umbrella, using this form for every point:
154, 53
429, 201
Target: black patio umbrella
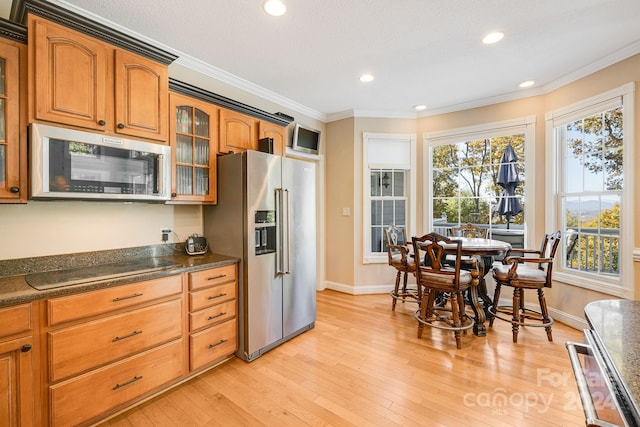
509, 205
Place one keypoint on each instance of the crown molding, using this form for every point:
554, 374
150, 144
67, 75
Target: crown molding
222, 101
240, 83
94, 28
613, 58
12, 31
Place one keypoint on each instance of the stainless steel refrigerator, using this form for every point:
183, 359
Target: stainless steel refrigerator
266, 216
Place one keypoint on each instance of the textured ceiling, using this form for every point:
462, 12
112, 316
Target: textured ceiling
420, 51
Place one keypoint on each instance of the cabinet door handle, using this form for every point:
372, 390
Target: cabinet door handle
217, 277
120, 126
217, 296
132, 334
25, 348
127, 297
216, 316
131, 381
101, 122
15, 189
217, 344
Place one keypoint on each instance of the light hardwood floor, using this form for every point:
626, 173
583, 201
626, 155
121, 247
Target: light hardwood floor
362, 365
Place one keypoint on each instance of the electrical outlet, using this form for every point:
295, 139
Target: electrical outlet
165, 233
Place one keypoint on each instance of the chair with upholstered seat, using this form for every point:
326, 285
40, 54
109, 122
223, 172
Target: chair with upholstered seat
435, 277
399, 254
516, 272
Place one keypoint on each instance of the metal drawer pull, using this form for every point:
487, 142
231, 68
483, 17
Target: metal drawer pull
216, 316
217, 277
581, 380
132, 380
218, 296
127, 297
132, 334
215, 345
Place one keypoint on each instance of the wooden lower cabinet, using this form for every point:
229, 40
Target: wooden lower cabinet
85, 346
108, 347
212, 344
111, 348
85, 397
16, 366
212, 315
16, 382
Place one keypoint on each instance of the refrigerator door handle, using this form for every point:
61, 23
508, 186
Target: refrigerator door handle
280, 250
287, 254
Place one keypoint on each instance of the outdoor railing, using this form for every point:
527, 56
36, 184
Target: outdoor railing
593, 250
589, 249
513, 235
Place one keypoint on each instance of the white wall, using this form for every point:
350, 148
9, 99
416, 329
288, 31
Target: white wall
62, 227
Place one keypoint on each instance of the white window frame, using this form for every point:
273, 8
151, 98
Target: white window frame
623, 286
525, 126
390, 138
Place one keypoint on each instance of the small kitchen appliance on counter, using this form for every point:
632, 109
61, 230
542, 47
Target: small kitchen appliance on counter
196, 245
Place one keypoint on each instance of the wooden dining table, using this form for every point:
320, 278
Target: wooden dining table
478, 249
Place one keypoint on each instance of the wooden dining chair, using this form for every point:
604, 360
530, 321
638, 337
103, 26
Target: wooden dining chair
469, 230
434, 277
400, 257
516, 273
472, 231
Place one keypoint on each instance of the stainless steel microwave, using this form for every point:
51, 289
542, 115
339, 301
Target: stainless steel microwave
71, 164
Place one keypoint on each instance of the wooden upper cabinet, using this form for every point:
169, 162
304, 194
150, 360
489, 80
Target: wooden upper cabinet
81, 81
141, 93
278, 133
13, 142
193, 135
70, 76
238, 132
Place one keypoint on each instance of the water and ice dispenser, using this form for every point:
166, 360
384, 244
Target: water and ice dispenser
265, 232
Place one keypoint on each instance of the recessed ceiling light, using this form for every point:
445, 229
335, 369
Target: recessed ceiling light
492, 37
274, 7
419, 107
365, 78
528, 83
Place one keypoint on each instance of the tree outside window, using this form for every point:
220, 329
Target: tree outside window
464, 184
591, 191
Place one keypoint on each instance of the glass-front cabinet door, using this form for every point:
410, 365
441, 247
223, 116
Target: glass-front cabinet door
194, 147
13, 184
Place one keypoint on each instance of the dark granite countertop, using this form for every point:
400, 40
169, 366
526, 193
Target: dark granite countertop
616, 323
14, 288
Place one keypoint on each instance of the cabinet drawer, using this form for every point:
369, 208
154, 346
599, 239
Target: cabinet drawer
211, 296
15, 319
212, 344
87, 396
82, 347
213, 276
212, 315
97, 302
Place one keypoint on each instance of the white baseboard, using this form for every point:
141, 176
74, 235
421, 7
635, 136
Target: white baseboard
358, 290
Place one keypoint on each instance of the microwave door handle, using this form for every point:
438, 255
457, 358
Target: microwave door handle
279, 254
159, 177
